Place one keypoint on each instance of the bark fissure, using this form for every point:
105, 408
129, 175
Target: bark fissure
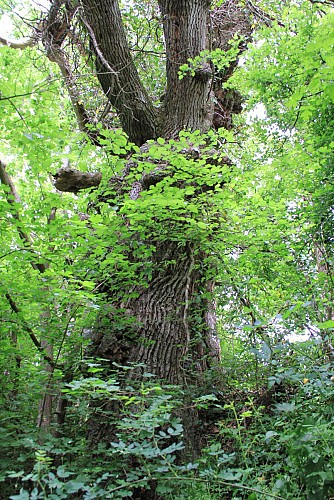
162, 312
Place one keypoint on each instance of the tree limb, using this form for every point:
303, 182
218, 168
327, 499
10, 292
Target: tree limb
19, 44
54, 30
116, 70
13, 197
33, 337
71, 181
58, 56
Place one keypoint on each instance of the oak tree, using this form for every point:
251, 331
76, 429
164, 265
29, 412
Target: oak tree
167, 196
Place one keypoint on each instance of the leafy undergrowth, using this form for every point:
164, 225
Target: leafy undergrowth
269, 443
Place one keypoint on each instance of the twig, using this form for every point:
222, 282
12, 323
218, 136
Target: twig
99, 53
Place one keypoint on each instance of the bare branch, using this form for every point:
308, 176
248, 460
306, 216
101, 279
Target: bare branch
8, 98
19, 44
54, 30
98, 51
58, 56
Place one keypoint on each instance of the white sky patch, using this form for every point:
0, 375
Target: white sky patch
6, 26
297, 337
258, 112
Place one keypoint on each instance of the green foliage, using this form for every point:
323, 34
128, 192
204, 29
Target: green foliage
295, 86
265, 226
219, 58
285, 442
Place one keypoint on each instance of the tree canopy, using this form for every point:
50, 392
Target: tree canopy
166, 253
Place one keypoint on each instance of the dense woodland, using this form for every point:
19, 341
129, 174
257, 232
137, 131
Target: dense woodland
166, 252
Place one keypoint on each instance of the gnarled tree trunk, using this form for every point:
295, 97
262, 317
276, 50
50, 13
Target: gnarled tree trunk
170, 321
165, 334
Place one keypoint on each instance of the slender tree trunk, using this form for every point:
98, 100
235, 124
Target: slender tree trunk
324, 267
15, 371
45, 408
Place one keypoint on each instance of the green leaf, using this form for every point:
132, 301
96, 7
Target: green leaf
269, 435
285, 407
326, 324
172, 448
23, 495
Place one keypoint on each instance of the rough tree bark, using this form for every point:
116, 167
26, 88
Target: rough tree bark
163, 309
164, 337
187, 103
117, 72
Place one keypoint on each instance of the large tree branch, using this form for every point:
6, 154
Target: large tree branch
54, 30
72, 181
119, 77
232, 19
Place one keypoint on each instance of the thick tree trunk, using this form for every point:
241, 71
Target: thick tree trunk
173, 335
169, 326
116, 70
167, 340
187, 103
163, 310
